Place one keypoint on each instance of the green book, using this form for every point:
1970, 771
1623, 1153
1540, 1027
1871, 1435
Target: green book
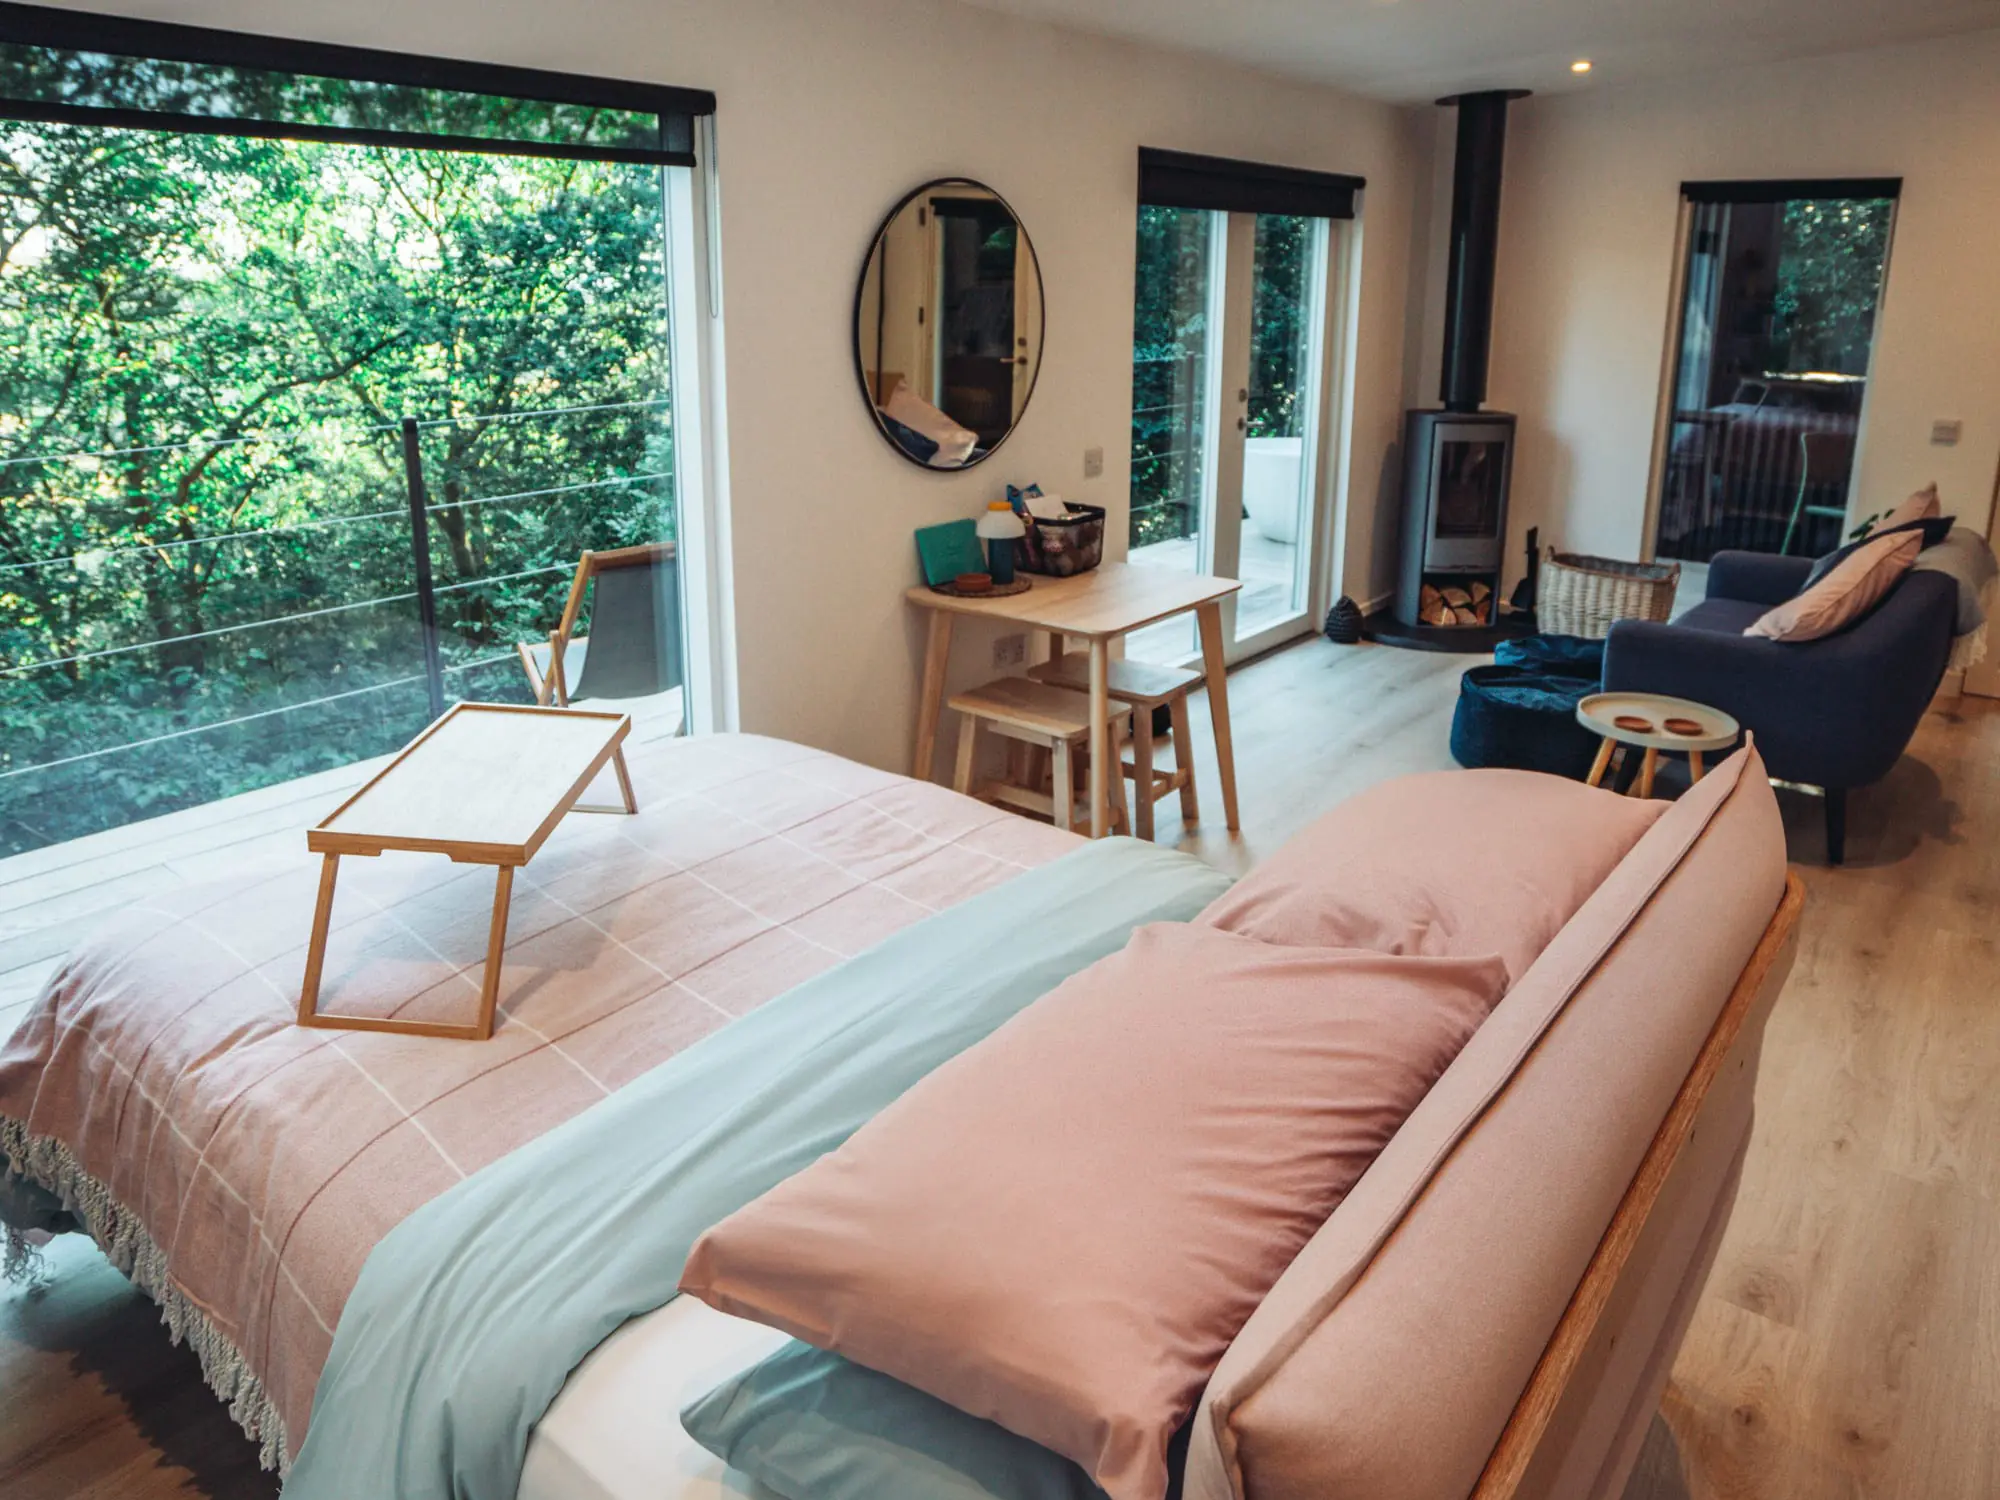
949, 550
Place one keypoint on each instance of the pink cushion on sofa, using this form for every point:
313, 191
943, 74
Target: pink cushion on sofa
1845, 594
1921, 506
1452, 863
1061, 1229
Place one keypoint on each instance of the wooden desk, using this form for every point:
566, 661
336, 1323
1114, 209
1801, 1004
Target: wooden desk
1097, 607
485, 785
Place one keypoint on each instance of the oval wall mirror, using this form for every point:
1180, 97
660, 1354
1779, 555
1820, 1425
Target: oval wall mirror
948, 324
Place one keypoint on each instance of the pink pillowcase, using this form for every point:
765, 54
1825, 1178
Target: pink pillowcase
1452, 863
1062, 1229
1921, 506
1847, 593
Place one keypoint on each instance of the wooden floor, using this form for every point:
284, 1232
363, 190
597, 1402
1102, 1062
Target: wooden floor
1849, 1341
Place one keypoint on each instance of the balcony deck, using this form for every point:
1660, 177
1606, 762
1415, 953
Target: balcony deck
50, 898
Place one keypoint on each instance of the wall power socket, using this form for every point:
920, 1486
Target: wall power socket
1010, 651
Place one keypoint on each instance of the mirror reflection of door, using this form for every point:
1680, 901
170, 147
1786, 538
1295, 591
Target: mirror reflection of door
948, 324
1229, 354
976, 242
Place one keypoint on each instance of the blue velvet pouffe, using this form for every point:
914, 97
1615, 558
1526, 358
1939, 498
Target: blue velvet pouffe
1521, 711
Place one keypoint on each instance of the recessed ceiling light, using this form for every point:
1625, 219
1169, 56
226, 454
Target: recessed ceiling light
1581, 65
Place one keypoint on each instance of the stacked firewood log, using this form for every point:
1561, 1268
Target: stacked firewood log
1451, 605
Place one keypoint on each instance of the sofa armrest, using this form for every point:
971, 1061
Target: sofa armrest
1756, 577
1705, 666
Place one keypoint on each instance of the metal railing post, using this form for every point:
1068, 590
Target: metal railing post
420, 548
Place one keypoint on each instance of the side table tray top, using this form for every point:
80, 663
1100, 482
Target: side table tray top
486, 784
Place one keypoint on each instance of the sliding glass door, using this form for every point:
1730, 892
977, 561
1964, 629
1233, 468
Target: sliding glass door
1780, 287
1228, 355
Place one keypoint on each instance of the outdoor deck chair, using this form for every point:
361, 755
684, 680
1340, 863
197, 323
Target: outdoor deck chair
632, 650
1824, 461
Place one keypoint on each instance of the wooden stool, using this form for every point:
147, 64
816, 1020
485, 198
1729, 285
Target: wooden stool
1055, 719
1142, 687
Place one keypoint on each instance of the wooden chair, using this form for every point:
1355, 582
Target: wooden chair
1049, 718
1144, 688
633, 649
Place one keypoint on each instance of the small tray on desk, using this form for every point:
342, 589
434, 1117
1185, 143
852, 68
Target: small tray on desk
997, 591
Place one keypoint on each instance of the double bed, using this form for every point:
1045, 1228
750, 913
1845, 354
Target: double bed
452, 1266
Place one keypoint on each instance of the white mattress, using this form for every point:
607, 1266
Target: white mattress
614, 1432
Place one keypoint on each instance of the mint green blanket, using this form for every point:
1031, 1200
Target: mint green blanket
470, 1315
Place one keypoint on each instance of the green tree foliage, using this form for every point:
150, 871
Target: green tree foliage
1171, 345
1831, 254
229, 331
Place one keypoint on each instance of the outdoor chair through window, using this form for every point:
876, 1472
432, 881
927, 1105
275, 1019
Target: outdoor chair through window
633, 646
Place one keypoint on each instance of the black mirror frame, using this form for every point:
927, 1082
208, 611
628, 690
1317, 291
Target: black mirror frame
861, 285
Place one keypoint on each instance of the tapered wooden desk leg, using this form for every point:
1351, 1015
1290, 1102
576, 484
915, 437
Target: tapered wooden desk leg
496, 947
316, 949
1601, 764
1216, 672
1100, 736
1695, 767
930, 697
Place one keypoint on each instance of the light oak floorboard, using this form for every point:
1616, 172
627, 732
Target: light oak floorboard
1848, 1344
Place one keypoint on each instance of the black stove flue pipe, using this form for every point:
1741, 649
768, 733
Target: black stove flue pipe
1475, 241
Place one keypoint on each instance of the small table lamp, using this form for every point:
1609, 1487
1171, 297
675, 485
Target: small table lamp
1000, 528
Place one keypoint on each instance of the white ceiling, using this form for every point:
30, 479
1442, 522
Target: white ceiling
1410, 50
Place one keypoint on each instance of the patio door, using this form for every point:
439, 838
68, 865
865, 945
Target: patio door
1229, 353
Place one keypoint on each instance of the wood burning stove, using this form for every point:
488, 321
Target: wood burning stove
1454, 517
1457, 462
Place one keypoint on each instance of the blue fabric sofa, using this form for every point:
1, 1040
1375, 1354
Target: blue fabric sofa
1833, 713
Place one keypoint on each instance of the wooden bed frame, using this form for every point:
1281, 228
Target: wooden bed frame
1549, 1389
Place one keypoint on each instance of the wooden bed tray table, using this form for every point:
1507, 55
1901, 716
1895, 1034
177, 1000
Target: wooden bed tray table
485, 785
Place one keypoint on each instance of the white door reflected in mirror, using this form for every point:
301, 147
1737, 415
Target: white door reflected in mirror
948, 324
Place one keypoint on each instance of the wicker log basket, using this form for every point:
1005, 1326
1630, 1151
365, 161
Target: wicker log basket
1581, 595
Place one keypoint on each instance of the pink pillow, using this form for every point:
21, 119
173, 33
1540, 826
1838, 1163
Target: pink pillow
1847, 593
1452, 863
1921, 506
1061, 1229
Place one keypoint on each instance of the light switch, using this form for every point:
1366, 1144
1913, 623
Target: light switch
1093, 463
1945, 434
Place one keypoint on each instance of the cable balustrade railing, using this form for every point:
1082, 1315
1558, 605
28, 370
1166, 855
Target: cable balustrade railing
148, 664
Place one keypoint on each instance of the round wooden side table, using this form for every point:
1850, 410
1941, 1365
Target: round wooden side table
1654, 722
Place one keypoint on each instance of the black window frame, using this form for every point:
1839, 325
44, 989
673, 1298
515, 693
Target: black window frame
1182, 179
1786, 189
122, 36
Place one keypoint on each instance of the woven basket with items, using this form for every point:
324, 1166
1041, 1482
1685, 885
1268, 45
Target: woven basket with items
1581, 595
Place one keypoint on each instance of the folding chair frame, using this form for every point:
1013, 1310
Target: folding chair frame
552, 687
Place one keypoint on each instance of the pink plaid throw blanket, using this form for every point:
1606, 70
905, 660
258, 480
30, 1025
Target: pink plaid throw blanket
240, 1169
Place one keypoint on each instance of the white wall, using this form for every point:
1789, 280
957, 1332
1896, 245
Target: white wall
1586, 260
828, 113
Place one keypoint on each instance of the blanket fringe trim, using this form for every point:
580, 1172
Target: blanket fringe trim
126, 1243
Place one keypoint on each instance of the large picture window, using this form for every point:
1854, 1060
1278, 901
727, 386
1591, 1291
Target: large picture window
313, 387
